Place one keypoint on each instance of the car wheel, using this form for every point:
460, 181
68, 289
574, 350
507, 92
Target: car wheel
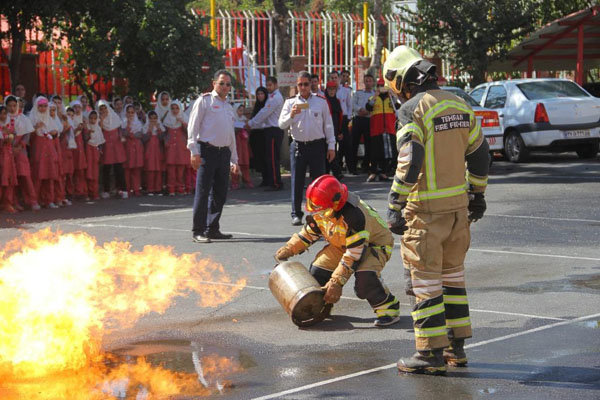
588, 151
515, 148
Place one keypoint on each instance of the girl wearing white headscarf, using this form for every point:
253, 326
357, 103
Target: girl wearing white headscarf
8, 170
22, 129
95, 138
243, 148
177, 155
79, 160
62, 125
85, 105
131, 129
113, 155
44, 165
163, 105
153, 156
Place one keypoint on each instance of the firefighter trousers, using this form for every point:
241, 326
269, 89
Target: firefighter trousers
367, 278
433, 253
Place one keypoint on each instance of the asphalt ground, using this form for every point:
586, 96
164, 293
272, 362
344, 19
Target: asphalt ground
533, 280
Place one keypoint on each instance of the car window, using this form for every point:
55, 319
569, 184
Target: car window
496, 97
549, 89
477, 94
462, 94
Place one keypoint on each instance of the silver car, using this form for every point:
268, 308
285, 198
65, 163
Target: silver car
543, 114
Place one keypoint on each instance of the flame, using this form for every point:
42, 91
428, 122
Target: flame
61, 292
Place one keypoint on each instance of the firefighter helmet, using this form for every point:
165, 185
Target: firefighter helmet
326, 192
397, 65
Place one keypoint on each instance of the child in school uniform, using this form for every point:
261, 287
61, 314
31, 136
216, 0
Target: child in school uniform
60, 198
79, 160
153, 158
163, 105
23, 129
44, 160
94, 140
177, 155
8, 170
243, 148
134, 162
67, 143
113, 153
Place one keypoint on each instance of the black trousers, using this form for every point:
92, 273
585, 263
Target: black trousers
302, 155
212, 181
119, 173
360, 128
257, 146
273, 140
345, 145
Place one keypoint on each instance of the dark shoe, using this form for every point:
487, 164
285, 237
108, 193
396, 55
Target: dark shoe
430, 362
388, 313
218, 235
340, 177
383, 178
273, 189
200, 238
296, 221
371, 178
455, 355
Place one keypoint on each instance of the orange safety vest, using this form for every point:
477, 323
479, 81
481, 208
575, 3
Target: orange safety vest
383, 117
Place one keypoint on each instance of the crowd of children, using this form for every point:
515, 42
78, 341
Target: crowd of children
54, 154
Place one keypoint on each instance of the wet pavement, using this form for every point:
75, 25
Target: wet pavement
533, 280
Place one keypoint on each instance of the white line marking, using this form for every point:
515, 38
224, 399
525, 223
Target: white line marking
516, 314
390, 366
541, 218
536, 254
156, 228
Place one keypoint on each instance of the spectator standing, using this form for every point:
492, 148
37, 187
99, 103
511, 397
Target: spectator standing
95, 138
243, 150
153, 158
336, 116
257, 136
268, 118
131, 129
211, 140
345, 95
308, 117
177, 155
360, 124
113, 153
315, 81
383, 133
21, 92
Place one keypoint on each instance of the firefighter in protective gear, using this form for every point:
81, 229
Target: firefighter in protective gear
433, 197
358, 242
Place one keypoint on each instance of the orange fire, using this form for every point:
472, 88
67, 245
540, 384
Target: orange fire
59, 293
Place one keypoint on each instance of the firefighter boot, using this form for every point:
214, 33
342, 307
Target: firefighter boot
387, 313
455, 355
430, 362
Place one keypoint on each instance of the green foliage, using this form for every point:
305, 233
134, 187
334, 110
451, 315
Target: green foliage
471, 34
355, 7
154, 45
550, 10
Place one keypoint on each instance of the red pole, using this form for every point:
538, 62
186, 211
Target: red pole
530, 67
579, 70
264, 41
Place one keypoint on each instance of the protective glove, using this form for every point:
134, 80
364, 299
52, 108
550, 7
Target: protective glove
333, 292
477, 206
396, 222
283, 254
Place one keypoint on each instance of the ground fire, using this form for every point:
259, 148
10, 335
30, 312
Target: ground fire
60, 293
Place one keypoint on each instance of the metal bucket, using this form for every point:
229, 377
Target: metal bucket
298, 292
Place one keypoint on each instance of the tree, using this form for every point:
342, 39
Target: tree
549, 10
153, 45
471, 34
283, 62
22, 16
380, 36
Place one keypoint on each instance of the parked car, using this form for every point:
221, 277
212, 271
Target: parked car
543, 114
489, 120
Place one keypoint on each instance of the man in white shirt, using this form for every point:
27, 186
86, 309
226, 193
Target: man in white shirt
268, 117
309, 119
314, 85
211, 140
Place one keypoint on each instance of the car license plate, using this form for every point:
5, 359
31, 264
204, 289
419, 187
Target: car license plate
579, 133
491, 140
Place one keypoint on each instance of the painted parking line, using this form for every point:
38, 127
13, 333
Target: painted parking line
390, 366
542, 218
86, 224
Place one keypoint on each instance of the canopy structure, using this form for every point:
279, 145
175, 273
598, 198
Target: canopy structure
569, 43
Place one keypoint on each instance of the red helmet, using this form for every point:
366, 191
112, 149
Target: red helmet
326, 192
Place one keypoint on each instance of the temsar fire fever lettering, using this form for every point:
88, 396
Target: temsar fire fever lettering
452, 121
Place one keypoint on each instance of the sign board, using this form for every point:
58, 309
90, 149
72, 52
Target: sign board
287, 78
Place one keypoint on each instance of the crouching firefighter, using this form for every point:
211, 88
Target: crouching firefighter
439, 144
358, 242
